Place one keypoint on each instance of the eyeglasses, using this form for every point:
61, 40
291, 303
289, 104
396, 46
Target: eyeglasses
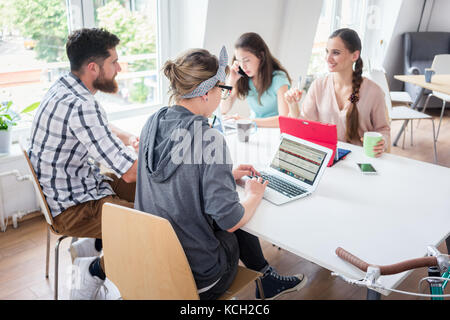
226, 90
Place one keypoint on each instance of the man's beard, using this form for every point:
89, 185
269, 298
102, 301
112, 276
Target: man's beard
105, 85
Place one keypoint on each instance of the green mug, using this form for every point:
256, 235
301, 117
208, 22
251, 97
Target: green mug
370, 141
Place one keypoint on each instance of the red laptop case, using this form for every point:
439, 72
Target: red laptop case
320, 133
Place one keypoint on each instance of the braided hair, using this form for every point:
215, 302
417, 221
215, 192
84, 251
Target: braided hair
353, 43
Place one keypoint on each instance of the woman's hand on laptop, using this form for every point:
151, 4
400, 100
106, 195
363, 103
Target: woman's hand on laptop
244, 170
255, 187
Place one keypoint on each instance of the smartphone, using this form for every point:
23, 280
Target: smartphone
367, 168
242, 73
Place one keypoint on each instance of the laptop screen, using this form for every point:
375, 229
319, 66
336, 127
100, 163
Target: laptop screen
298, 161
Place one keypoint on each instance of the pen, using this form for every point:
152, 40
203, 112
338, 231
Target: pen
299, 82
214, 120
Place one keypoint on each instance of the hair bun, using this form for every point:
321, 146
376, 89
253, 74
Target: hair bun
168, 69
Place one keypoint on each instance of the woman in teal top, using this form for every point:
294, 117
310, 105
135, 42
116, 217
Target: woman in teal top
259, 78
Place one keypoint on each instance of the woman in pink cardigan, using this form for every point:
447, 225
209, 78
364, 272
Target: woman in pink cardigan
344, 98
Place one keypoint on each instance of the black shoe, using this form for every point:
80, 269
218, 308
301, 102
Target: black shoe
274, 285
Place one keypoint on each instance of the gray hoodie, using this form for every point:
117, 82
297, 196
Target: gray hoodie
192, 187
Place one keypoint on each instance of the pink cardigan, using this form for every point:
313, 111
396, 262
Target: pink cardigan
320, 105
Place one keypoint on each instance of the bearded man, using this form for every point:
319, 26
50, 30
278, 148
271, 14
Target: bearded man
70, 136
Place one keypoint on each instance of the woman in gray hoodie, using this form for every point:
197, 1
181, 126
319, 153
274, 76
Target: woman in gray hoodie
185, 175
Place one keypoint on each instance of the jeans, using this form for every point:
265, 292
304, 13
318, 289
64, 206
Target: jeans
238, 245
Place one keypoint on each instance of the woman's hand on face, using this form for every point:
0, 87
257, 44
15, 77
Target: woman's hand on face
293, 95
234, 73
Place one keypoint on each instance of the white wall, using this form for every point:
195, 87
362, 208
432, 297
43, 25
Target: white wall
187, 24
407, 21
183, 27
381, 18
435, 18
440, 16
287, 26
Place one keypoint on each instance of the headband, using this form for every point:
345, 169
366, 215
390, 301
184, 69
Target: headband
207, 85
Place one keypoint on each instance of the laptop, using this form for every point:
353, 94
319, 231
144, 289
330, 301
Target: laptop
295, 170
321, 133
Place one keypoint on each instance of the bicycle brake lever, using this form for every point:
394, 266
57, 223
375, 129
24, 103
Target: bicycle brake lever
372, 275
442, 259
370, 280
348, 280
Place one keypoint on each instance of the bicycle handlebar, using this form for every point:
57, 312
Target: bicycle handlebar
388, 269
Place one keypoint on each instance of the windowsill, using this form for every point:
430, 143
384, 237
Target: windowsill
131, 121
133, 124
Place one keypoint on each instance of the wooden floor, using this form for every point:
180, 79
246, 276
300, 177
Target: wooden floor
22, 250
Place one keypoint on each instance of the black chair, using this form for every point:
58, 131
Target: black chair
419, 51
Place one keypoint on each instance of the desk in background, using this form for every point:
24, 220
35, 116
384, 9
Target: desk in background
383, 219
439, 83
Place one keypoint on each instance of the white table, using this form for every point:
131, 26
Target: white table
383, 219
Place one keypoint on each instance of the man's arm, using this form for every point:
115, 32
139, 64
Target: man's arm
131, 174
127, 138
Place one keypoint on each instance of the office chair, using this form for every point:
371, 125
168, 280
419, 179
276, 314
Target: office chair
441, 65
145, 260
401, 112
48, 217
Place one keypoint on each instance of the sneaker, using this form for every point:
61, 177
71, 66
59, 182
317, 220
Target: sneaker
84, 285
275, 285
109, 292
82, 248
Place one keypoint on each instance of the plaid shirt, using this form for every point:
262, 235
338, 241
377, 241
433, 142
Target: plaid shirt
69, 133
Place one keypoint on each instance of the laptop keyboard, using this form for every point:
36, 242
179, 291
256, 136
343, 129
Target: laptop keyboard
281, 186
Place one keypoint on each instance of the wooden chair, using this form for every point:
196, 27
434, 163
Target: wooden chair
145, 260
49, 218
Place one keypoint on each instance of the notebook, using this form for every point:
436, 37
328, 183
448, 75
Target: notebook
295, 170
321, 133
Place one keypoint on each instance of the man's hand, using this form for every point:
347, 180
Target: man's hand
133, 141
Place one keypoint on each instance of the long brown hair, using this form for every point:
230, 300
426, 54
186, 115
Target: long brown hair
353, 43
253, 43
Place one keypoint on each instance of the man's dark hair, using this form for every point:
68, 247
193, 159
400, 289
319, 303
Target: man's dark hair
87, 45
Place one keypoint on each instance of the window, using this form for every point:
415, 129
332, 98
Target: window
33, 34
32, 38
336, 14
135, 23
